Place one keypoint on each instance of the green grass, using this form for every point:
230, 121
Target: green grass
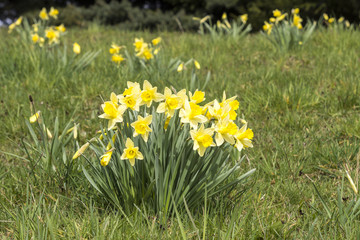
303, 107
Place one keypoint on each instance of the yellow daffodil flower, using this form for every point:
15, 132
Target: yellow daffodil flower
131, 152
133, 88
267, 27
34, 117
340, 20
244, 18
117, 58
325, 16
76, 48
35, 37
172, 102
156, 41
180, 67
18, 21
225, 130
61, 28
243, 138
139, 44
81, 150
43, 14
297, 21
331, 20
192, 114
35, 27
113, 113
224, 16
295, 11
53, 12
150, 94
277, 13
141, 127
197, 64
202, 139
52, 35
105, 159
198, 96
115, 48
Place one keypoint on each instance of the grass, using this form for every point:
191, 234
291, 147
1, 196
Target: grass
302, 105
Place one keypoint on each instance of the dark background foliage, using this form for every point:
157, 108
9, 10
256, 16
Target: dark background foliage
173, 14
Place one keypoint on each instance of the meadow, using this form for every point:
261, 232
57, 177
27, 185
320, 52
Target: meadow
302, 105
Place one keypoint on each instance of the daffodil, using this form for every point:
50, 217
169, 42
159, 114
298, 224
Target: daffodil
224, 16
131, 152
244, 18
180, 67
34, 117
43, 14
139, 44
52, 35
81, 150
41, 41
220, 112
115, 48
192, 113
105, 159
150, 94
132, 88
198, 96
267, 27
145, 53
35, 27
202, 139
243, 138
113, 113
11, 27
117, 58
225, 130
172, 102
18, 21
277, 13
297, 21
156, 41
141, 127
197, 64
61, 28
76, 48
35, 37
131, 101
295, 11
53, 12
325, 16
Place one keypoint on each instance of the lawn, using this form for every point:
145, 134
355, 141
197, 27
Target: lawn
302, 105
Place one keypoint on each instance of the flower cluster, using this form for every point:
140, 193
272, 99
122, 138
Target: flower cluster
41, 32
143, 50
278, 17
211, 124
331, 20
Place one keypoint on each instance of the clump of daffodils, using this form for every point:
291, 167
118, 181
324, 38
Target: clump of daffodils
210, 125
160, 148
337, 23
143, 51
223, 27
42, 32
286, 31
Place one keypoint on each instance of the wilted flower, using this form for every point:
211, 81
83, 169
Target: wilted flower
34, 117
